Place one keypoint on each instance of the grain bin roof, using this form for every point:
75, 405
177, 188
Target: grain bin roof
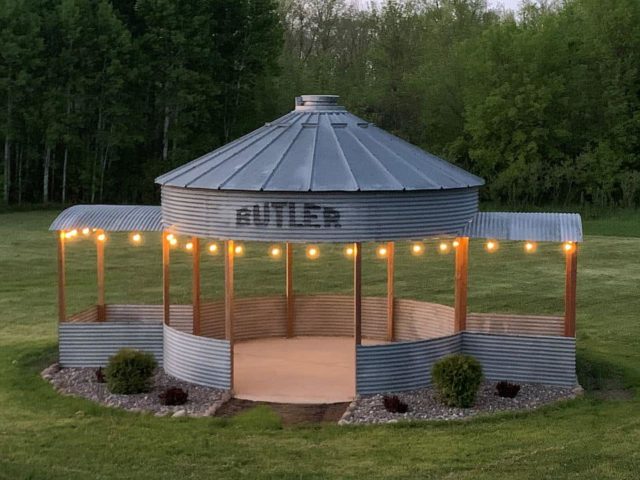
541, 227
110, 218
319, 147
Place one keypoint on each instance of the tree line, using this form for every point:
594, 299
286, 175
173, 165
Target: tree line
99, 97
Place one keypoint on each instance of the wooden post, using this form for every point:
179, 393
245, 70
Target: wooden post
62, 308
228, 298
571, 265
461, 276
166, 300
289, 290
195, 287
100, 271
390, 291
357, 292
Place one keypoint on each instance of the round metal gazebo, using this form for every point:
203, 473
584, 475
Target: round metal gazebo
321, 174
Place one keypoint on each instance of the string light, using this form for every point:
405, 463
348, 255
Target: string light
443, 247
68, 235
417, 248
529, 247
71, 233
213, 248
349, 251
188, 246
62, 234
173, 241
86, 231
238, 250
455, 244
101, 237
382, 252
136, 238
491, 246
275, 251
313, 252
568, 247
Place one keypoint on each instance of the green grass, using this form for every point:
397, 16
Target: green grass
45, 435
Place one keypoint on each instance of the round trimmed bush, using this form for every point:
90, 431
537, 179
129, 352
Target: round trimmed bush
457, 378
130, 371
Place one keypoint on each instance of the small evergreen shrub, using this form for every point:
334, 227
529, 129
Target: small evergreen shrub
457, 378
100, 375
174, 396
394, 405
130, 371
506, 389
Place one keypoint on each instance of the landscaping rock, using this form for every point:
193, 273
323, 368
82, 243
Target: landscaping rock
425, 405
82, 382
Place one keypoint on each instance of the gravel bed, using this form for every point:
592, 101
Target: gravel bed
424, 404
81, 382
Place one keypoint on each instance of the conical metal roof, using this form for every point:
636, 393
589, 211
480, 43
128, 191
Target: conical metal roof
319, 147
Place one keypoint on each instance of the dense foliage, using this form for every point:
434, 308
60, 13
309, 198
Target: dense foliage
457, 379
99, 97
130, 371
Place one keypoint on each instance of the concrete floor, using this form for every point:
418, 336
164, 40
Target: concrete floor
295, 370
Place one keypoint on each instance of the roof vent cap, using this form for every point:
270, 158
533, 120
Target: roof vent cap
318, 102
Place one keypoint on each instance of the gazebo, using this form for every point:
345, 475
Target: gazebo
319, 175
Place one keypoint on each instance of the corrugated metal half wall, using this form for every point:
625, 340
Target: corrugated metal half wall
519, 358
204, 361
91, 344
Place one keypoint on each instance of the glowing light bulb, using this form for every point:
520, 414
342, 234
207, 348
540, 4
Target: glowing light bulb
170, 237
349, 251
238, 250
313, 252
136, 238
381, 251
188, 246
455, 244
275, 251
173, 241
62, 234
86, 231
443, 247
529, 247
213, 248
101, 237
491, 246
68, 235
417, 248
568, 247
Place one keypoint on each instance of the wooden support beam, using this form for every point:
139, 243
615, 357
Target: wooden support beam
166, 300
289, 290
357, 292
461, 281
195, 287
228, 298
62, 308
100, 272
390, 291
570, 290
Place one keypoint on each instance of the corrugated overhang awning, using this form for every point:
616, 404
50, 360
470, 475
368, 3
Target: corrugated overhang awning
110, 218
540, 227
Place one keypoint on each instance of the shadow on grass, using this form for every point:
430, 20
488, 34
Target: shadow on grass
602, 379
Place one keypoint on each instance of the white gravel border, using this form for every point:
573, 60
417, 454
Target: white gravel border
425, 405
81, 382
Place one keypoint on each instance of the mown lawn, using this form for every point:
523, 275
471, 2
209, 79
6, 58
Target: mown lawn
44, 435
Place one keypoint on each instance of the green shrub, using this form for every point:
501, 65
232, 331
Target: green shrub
457, 378
130, 371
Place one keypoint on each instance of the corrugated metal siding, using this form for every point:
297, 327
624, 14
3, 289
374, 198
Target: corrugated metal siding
259, 317
203, 361
415, 320
363, 216
542, 227
515, 324
530, 359
111, 218
319, 147
91, 344
181, 316
400, 366
324, 315
85, 316
212, 319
